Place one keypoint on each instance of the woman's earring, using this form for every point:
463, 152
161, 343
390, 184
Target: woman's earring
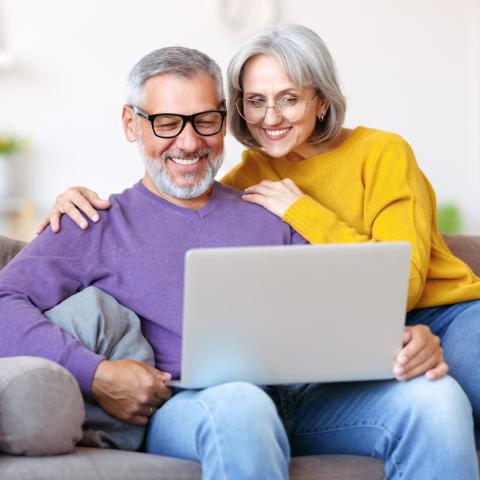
321, 117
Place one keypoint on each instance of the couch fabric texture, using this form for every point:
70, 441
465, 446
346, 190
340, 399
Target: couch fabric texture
41, 407
99, 464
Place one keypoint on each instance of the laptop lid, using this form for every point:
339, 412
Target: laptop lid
293, 314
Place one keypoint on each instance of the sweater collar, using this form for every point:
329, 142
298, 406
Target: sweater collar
189, 212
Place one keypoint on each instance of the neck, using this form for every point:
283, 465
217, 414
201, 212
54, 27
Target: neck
308, 150
194, 203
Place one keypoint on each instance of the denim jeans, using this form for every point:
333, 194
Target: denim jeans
458, 327
239, 431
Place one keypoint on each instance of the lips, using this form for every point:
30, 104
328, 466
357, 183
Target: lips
184, 162
276, 133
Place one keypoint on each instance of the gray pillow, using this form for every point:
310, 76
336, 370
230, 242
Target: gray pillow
41, 407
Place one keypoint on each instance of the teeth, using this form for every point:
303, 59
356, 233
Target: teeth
276, 133
182, 161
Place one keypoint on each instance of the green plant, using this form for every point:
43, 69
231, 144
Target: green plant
449, 218
10, 144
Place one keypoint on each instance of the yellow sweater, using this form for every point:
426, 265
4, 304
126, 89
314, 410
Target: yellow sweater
370, 189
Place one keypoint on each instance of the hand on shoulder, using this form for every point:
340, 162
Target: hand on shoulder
73, 201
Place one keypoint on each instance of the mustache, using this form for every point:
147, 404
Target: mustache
180, 154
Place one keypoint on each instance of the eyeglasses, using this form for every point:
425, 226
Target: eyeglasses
170, 125
290, 107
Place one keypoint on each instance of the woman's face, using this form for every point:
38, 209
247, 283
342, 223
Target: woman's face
286, 128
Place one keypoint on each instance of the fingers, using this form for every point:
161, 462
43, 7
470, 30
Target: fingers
262, 188
416, 339
140, 420
162, 391
292, 186
141, 413
430, 362
43, 225
268, 186
438, 372
431, 350
95, 201
422, 353
72, 202
276, 197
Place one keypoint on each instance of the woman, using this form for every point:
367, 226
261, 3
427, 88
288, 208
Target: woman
333, 184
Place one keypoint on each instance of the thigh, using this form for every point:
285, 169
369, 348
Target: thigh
172, 429
230, 417
440, 319
458, 327
371, 418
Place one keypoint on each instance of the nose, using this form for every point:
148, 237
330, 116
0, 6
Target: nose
189, 140
272, 117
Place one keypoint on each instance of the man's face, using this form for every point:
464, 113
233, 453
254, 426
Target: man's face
182, 167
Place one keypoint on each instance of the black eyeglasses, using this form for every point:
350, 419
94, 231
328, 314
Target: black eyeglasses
170, 125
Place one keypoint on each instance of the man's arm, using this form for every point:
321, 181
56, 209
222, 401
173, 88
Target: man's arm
50, 269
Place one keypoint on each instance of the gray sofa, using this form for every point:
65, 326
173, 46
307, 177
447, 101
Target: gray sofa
95, 464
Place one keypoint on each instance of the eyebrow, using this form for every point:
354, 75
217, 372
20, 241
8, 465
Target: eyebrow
286, 90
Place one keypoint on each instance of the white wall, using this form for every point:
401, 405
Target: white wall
410, 66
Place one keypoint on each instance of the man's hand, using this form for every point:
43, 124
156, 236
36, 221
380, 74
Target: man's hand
129, 389
421, 353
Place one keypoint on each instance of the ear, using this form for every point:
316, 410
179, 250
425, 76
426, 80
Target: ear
129, 123
322, 107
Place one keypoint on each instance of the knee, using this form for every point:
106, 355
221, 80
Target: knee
244, 398
243, 405
244, 412
440, 407
42, 407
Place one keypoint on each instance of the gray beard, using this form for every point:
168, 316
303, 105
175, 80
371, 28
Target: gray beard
158, 172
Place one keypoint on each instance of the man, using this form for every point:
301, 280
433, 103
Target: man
237, 430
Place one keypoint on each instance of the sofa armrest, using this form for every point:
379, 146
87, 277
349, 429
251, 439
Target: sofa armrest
41, 407
8, 249
467, 248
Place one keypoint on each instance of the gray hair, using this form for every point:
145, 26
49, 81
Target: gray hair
181, 61
307, 62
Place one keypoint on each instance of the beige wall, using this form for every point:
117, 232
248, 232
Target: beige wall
410, 67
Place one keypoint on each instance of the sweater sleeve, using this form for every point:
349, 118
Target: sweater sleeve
50, 269
396, 206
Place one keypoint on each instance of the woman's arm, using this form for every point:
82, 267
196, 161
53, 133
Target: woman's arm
396, 204
73, 201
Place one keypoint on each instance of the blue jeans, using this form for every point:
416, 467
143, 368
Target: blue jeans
239, 431
458, 327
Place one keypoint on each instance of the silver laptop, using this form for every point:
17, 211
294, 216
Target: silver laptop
293, 314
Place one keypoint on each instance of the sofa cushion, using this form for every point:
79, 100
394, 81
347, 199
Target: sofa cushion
97, 464
8, 249
41, 407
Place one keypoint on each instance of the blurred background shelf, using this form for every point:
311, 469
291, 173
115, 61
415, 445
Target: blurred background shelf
17, 216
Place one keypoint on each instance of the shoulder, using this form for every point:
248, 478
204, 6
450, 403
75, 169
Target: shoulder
378, 139
383, 149
232, 198
251, 168
71, 236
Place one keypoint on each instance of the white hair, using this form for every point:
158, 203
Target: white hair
306, 61
181, 61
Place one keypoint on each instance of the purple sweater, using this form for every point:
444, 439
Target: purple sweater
136, 254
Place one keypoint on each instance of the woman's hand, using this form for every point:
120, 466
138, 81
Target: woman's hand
276, 197
421, 353
72, 201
